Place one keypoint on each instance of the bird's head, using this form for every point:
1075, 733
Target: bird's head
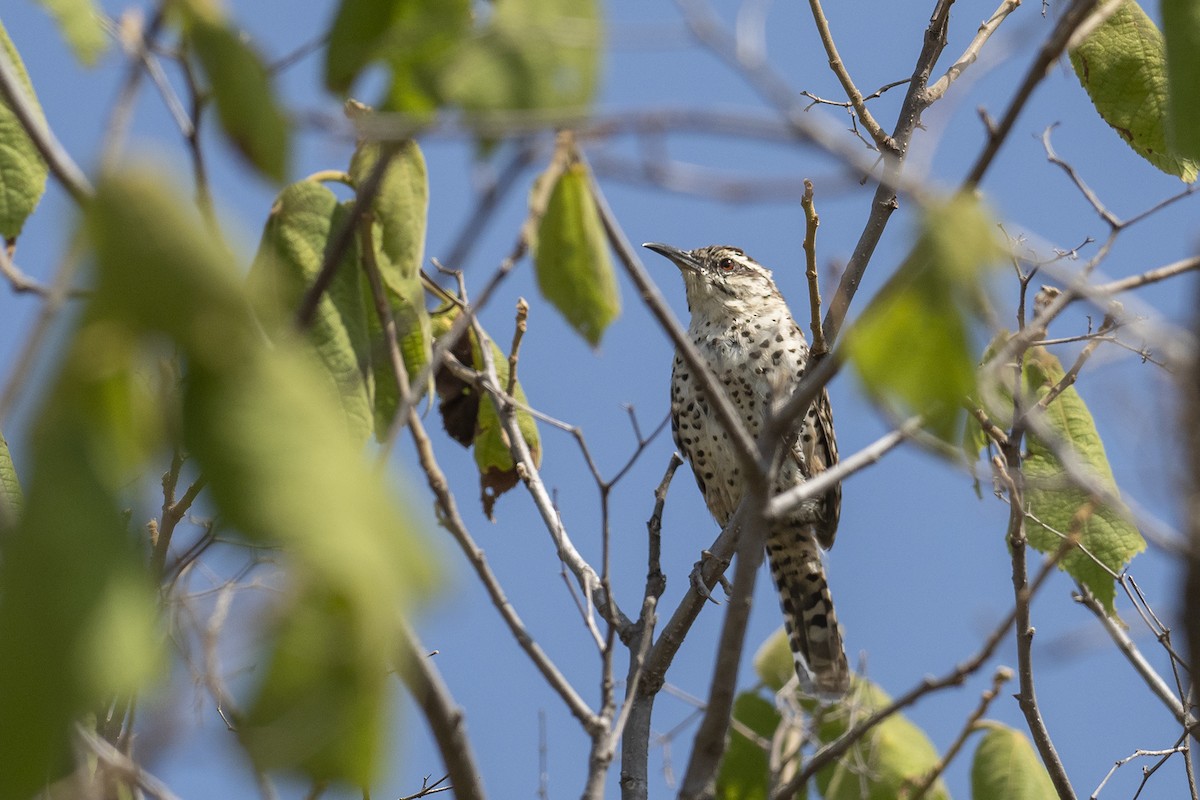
721, 277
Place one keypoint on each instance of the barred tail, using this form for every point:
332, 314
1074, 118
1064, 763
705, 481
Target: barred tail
813, 632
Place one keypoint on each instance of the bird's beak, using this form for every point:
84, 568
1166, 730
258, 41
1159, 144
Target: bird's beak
681, 258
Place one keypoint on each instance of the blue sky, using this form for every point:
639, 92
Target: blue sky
920, 572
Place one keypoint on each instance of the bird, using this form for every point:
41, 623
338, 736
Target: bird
741, 325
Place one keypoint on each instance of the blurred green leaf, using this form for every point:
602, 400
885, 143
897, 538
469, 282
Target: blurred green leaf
1122, 65
1181, 29
745, 769
417, 39
79, 21
22, 170
531, 54
241, 89
399, 211
574, 269
77, 610
358, 29
1057, 506
892, 756
11, 498
281, 470
912, 344
1007, 768
774, 662
271, 442
299, 232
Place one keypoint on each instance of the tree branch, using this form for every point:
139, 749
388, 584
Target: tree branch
711, 737
1075, 15
884, 142
451, 519
24, 107
415, 666
969, 56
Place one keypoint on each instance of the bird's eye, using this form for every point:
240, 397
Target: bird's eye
726, 264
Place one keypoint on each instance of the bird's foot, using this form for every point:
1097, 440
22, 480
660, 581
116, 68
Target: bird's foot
701, 586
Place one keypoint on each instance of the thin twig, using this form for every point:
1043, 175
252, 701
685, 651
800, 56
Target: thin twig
971, 54
518, 333
450, 517
1157, 685
781, 504
55, 155
590, 583
744, 448
712, 734
811, 222
883, 203
884, 142
1010, 472
1002, 676
1073, 17
122, 766
1181, 748
634, 722
445, 718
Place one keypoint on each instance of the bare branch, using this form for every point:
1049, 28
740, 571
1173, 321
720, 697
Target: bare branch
971, 54
711, 737
445, 718
1009, 471
883, 203
1072, 19
811, 222
1126, 645
744, 447
884, 142
451, 519
1002, 676
781, 504
120, 764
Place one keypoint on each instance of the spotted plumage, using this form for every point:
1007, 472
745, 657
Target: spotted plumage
741, 325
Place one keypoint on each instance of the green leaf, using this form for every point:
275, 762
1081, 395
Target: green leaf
745, 769
270, 440
246, 104
574, 269
774, 661
531, 54
76, 606
417, 39
1056, 505
1007, 768
79, 21
282, 471
11, 498
1122, 65
358, 30
399, 212
1181, 29
912, 345
473, 421
886, 761
22, 170
303, 221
